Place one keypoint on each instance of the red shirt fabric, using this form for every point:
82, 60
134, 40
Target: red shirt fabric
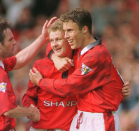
95, 81
56, 111
7, 96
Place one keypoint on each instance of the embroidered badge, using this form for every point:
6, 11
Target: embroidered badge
85, 69
3, 87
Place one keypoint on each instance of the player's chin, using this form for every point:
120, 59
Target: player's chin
59, 54
73, 47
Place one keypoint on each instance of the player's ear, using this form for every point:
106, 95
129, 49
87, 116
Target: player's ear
85, 29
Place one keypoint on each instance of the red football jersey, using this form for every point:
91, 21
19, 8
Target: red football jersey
56, 111
95, 81
7, 96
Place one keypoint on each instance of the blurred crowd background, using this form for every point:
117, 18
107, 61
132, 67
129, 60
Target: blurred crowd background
115, 21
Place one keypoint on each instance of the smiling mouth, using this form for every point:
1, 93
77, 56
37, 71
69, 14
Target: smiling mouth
57, 50
70, 41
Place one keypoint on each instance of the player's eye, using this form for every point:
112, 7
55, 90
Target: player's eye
11, 39
69, 30
58, 39
52, 41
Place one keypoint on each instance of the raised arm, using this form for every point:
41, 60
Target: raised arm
24, 56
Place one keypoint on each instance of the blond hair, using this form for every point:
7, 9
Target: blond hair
57, 25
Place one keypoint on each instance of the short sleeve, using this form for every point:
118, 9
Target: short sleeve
9, 63
7, 96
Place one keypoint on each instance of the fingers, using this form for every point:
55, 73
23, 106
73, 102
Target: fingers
58, 20
30, 74
126, 83
36, 114
45, 25
126, 90
35, 70
126, 95
70, 62
34, 118
35, 76
51, 21
32, 105
65, 67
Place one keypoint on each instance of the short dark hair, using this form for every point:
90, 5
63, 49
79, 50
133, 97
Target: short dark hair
4, 24
80, 16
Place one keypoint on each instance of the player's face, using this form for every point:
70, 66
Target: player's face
6, 50
73, 34
59, 44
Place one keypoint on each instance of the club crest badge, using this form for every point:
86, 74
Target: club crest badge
3, 87
85, 69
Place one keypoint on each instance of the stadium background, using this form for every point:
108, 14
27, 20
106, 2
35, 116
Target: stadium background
115, 21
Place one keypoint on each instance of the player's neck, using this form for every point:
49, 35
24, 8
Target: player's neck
88, 39
1, 59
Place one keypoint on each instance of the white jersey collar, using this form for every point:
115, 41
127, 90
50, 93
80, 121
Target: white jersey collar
2, 65
91, 45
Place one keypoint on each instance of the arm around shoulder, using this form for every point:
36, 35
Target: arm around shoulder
24, 56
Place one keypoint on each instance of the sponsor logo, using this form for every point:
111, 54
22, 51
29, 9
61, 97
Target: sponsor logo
3, 87
61, 103
85, 69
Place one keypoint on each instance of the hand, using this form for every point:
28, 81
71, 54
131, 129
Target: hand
31, 105
35, 116
30, 117
62, 64
125, 89
35, 76
46, 26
